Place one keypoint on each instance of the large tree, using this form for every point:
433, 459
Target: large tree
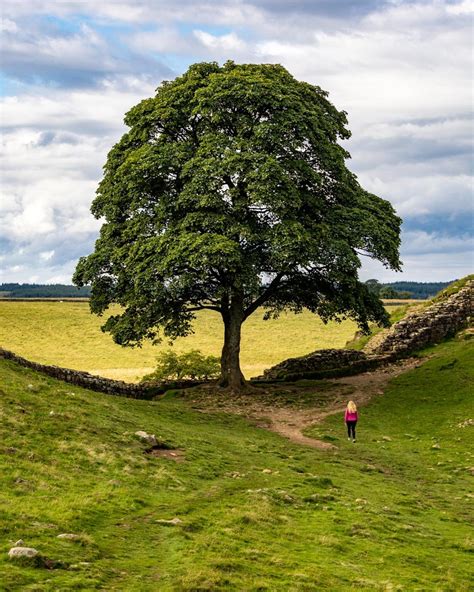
230, 192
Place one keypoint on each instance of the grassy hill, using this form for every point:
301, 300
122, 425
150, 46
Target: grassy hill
257, 512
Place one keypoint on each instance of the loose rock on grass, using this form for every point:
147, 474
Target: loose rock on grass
149, 438
69, 536
21, 553
172, 522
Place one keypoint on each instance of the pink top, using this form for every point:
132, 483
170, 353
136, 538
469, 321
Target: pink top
348, 416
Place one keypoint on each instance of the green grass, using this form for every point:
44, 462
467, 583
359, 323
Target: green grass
377, 515
67, 334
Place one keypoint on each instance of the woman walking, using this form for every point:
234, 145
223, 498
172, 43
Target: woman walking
350, 417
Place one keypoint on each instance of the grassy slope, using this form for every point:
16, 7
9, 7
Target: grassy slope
378, 515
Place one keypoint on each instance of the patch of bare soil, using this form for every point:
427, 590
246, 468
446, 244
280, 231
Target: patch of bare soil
289, 409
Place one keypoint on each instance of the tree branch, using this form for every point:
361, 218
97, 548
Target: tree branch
196, 308
265, 295
366, 254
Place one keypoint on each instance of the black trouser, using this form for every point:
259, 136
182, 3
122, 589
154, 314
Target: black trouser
351, 429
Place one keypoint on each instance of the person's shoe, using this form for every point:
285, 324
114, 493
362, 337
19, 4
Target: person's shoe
349, 439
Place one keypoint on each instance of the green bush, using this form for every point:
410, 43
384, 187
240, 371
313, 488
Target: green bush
193, 365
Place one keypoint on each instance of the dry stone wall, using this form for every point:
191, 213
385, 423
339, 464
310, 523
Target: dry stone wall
322, 363
419, 329
98, 383
427, 326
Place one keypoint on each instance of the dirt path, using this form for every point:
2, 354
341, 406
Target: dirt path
291, 423
271, 410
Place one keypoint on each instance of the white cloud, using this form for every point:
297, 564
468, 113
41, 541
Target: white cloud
405, 62
229, 42
420, 194
53, 150
46, 255
225, 12
400, 71
420, 242
8, 26
161, 40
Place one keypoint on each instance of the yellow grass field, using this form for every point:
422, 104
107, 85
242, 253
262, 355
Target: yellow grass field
67, 334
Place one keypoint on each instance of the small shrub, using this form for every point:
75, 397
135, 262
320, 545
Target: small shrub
190, 365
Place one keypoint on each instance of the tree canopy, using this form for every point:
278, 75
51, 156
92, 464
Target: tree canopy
230, 192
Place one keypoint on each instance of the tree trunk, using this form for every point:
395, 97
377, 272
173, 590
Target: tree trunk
231, 374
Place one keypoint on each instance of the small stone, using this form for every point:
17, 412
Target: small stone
436, 447
19, 543
69, 536
387, 438
267, 471
150, 438
172, 522
22, 553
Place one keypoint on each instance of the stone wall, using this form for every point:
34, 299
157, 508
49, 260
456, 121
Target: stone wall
323, 363
426, 326
421, 328
98, 383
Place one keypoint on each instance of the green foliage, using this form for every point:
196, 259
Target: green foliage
373, 516
230, 191
192, 364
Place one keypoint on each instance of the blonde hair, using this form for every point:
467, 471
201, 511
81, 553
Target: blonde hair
351, 407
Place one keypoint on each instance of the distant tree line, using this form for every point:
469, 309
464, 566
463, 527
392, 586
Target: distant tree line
43, 291
406, 290
401, 290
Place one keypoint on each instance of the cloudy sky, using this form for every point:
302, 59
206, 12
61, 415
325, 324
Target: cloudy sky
71, 69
